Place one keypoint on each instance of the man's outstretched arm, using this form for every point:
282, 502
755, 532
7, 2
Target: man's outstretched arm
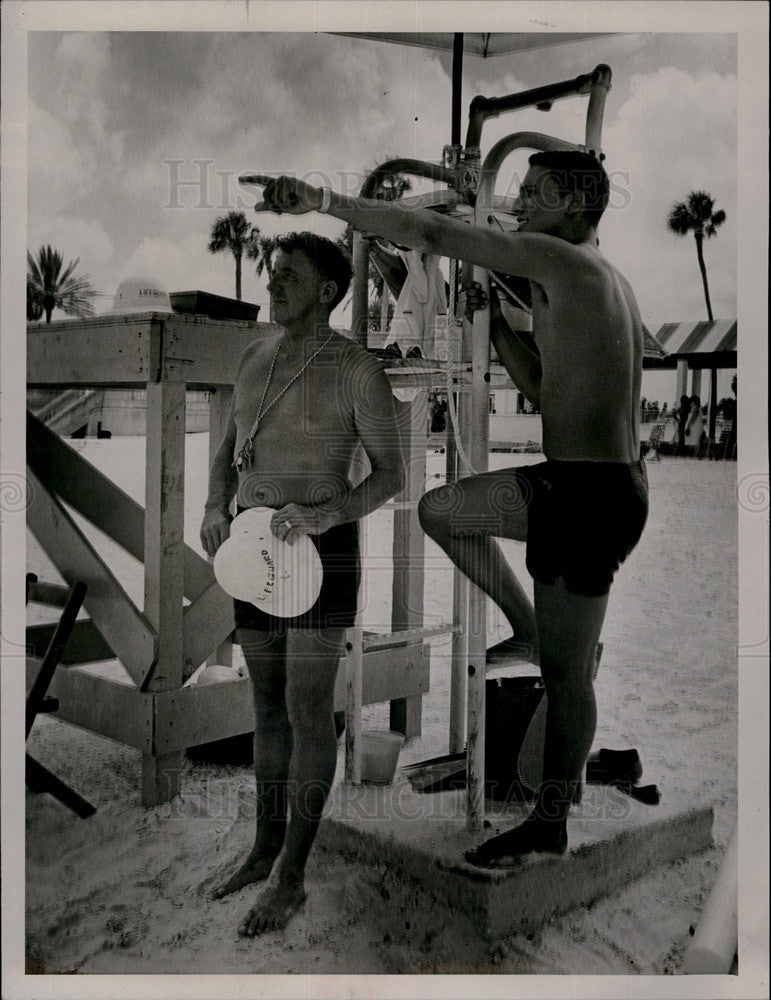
530, 255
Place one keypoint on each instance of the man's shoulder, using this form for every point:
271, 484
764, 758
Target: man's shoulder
353, 357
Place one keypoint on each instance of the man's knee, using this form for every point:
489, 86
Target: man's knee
568, 673
434, 509
309, 706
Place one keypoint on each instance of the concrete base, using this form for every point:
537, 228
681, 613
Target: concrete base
613, 840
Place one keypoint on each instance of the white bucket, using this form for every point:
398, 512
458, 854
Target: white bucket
380, 755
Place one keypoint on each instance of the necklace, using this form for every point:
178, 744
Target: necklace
245, 457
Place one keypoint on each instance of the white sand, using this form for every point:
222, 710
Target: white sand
125, 891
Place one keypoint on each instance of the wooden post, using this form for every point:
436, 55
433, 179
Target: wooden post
712, 403
220, 401
354, 669
460, 592
164, 550
360, 288
477, 604
408, 554
682, 378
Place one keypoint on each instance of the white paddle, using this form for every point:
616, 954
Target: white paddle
253, 565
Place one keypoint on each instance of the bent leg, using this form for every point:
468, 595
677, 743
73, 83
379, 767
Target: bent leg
569, 627
464, 518
264, 653
312, 658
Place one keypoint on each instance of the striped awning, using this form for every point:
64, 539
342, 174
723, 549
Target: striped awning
651, 347
698, 338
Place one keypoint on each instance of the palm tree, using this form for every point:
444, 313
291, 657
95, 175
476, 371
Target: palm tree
49, 286
262, 249
697, 215
231, 233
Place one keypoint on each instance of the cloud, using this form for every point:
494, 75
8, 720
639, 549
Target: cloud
74, 237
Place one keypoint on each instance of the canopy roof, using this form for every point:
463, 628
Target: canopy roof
651, 347
706, 337
480, 43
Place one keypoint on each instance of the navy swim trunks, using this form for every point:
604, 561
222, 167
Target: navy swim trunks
584, 518
336, 604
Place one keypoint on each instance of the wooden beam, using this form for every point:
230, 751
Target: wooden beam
86, 643
104, 351
164, 556
201, 713
477, 601
388, 674
205, 624
81, 485
408, 552
101, 705
164, 528
197, 714
205, 352
352, 671
124, 627
220, 402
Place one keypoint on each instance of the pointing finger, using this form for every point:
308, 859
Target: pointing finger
262, 179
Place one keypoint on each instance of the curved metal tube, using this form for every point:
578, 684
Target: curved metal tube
359, 296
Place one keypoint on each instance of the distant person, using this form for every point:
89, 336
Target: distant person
303, 403
583, 510
694, 427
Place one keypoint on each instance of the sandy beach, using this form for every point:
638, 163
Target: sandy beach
126, 891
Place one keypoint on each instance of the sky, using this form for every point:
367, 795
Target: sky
120, 123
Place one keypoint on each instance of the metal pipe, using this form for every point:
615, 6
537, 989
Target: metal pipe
360, 284
457, 87
594, 114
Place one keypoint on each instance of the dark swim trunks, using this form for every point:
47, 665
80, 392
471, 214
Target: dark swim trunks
584, 518
336, 604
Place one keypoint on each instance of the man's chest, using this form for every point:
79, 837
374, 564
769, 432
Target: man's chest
289, 401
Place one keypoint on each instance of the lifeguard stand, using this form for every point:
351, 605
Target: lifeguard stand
185, 617
470, 193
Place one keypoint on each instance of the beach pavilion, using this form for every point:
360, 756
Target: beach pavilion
694, 347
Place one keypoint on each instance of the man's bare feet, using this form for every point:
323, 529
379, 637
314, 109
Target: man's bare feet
256, 868
276, 904
506, 850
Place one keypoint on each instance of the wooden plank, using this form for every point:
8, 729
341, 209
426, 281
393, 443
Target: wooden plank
81, 485
201, 713
352, 669
220, 401
392, 640
477, 601
53, 653
204, 626
161, 778
409, 550
101, 705
124, 627
104, 351
164, 558
164, 528
387, 675
195, 714
205, 352
86, 643
53, 595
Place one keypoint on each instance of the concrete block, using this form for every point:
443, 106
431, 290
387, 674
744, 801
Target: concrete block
612, 841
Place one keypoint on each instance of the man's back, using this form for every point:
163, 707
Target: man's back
588, 330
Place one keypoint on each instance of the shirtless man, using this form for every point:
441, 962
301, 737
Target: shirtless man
583, 510
318, 396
